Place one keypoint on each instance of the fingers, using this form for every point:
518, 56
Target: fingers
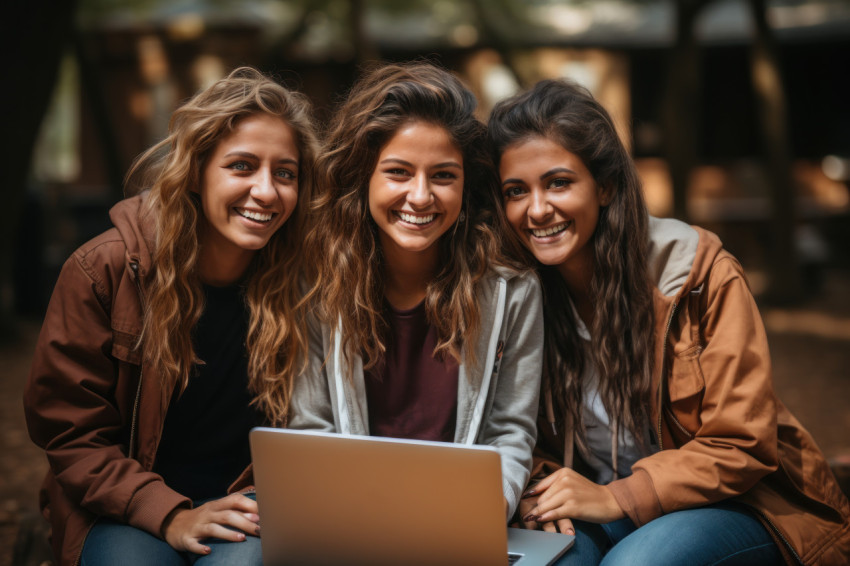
245, 523
231, 518
566, 526
524, 509
219, 531
236, 501
549, 527
195, 547
542, 485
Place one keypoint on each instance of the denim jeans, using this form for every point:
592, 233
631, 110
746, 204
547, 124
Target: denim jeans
723, 534
109, 543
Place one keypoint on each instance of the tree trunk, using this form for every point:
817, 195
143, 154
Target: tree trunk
34, 37
680, 116
785, 277
364, 47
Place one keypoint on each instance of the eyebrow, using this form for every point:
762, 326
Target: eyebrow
250, 155
555, 171
409, 164
544, 176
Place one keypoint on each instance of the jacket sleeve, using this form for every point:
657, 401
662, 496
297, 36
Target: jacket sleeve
720, 405
72, 409
511, 425
311, 406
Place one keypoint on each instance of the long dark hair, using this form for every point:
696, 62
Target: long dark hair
622, 330
349, 273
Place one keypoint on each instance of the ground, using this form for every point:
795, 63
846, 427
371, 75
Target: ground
810, 348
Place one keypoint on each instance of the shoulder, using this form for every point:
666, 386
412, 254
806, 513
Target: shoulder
108, 247
515, 279
98, 269
519, 289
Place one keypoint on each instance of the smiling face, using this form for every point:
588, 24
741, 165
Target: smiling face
416, 189
552, 203
249, 188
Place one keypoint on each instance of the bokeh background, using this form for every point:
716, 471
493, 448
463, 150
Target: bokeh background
736, 112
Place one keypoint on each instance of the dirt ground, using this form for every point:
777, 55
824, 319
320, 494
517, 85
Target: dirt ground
810, 347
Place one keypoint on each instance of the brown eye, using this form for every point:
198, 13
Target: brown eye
513, 192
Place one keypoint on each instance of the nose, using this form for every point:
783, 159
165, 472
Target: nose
420, 195
262, 189
539, 208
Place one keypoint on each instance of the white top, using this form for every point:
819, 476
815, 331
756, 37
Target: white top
599, 428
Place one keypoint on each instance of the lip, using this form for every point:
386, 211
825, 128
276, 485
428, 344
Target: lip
549, 233
415, 221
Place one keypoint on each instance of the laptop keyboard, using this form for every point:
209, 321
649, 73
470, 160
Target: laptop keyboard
514, 558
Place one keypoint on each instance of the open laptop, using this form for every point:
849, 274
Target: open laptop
357, 500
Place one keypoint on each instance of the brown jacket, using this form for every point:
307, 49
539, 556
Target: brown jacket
723, 433
90, 402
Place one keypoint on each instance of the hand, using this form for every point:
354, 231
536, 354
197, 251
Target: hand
526, 507
566, 494
183, 529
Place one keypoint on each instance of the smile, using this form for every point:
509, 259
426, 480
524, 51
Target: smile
413, 219
253, 215
543, 232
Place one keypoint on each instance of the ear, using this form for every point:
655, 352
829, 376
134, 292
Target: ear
606, 195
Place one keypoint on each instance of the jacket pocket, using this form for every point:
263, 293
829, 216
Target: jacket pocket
686, 388
125, 347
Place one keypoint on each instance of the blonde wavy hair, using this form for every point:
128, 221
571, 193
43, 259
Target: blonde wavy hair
276, 342
349, 273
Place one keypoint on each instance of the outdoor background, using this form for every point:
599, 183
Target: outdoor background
736, 112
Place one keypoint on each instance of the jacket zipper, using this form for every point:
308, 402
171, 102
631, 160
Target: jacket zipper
776, 531
134, 267
80, 553
679, 425
661, 379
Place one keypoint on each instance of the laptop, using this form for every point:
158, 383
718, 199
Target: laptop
357, 500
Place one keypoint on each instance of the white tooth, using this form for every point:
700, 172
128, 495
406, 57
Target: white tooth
551, 230
258, 216
416, 219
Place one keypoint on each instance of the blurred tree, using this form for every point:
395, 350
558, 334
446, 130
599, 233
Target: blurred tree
785, 275
35, 34
679, 117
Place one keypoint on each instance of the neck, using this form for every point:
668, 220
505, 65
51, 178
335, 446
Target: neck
578, 274
407, 276
221, 270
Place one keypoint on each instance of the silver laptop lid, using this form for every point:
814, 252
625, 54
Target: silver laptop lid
330, 499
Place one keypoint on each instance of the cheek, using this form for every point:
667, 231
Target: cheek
290, 201
514, 216
454, 200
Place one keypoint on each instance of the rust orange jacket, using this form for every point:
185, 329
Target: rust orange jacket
90, 402
723, 433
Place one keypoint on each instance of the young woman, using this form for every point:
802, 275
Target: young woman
421, 333
665, 443
169, 336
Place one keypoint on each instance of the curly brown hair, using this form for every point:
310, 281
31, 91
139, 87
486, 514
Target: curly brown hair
349, 273
276, 340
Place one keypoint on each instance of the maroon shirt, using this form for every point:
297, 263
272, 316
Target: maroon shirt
411, 393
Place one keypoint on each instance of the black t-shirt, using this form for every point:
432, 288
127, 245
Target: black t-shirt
204, 444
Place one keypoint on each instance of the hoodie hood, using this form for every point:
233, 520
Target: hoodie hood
679, 256
134, 222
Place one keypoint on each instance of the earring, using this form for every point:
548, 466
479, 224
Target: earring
462, 216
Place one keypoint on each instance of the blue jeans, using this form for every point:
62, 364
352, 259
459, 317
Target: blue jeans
723, 534
109, 543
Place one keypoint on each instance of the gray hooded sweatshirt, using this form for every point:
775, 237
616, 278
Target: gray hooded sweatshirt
497, 397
